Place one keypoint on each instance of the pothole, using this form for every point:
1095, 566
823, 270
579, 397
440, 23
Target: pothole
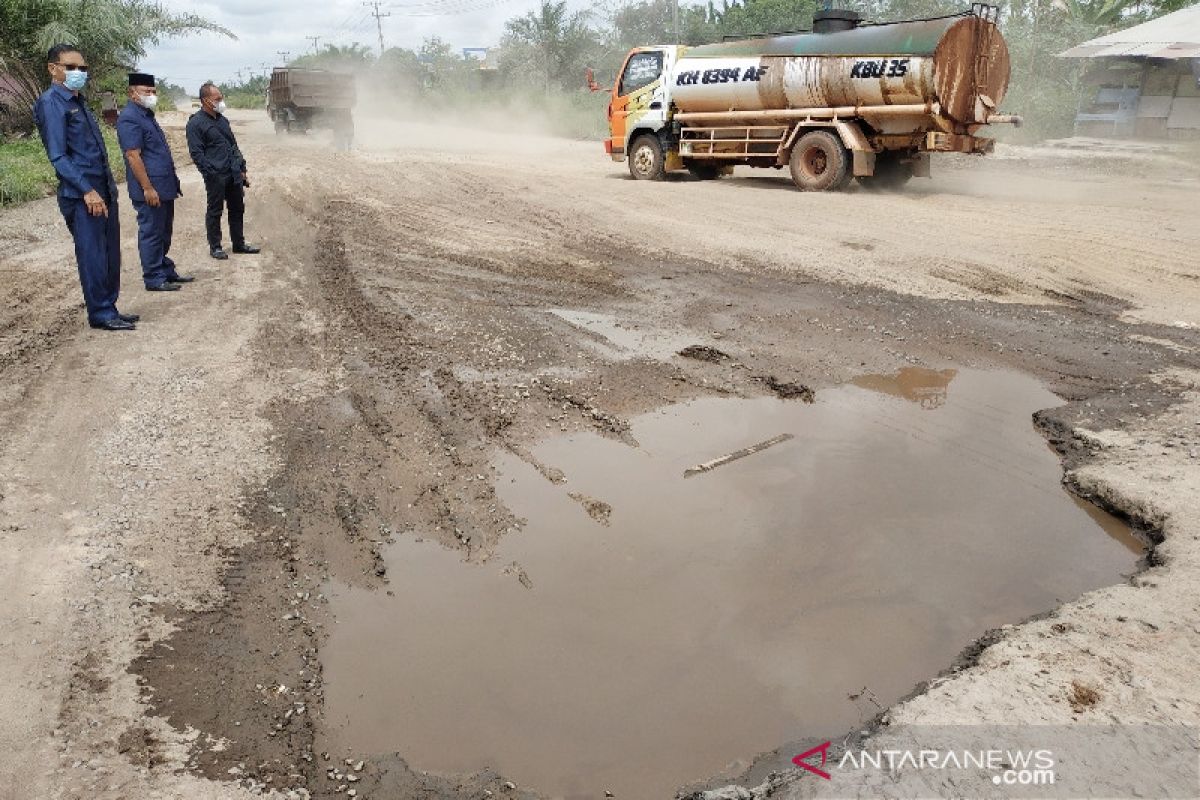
849, 550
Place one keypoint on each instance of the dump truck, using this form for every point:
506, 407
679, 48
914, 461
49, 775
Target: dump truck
299, 100
847, 100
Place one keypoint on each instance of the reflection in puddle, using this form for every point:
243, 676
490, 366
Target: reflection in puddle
703, 620
926, 387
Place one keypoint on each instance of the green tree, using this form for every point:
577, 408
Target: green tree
444, 68
344, 58
896, 10
768, 16
550, 45
250, 93
112, 34
400, 72
178, 94
652, 22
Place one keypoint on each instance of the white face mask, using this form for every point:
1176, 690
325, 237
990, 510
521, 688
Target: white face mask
220, 109
148, 101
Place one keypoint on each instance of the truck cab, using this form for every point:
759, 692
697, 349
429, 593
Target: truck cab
641, 100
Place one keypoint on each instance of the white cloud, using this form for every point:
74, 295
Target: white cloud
266, 27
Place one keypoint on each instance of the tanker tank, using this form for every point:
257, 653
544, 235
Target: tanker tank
961, 63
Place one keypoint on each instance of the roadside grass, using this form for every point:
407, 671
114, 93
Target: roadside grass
26, 174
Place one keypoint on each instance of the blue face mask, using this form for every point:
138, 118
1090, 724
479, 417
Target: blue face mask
74, 79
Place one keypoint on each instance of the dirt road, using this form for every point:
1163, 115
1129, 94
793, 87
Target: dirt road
174, 502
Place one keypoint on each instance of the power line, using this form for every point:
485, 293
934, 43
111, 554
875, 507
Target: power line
378, 15
360, 26
449, 9
350, 18
352, 24
425, 5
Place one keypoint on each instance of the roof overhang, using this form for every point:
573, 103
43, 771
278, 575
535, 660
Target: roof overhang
1171, 36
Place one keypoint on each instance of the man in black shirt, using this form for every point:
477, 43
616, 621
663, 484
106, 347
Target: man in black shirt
215, 152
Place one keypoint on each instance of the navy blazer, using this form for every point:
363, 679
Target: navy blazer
137, 129
73, 143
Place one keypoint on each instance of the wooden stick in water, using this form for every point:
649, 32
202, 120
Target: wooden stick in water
708, 466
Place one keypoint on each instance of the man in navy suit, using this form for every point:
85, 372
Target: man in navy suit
87, 193
153, 184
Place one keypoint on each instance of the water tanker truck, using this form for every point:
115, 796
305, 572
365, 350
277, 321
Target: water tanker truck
846, 100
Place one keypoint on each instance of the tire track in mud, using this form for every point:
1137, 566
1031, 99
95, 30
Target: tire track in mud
27, 328
393, 443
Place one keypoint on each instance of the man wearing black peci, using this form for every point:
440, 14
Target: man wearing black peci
153, 184
215, 152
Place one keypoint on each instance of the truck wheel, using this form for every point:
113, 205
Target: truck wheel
646, 162
819, 162
704, 171
890, 173
280, 127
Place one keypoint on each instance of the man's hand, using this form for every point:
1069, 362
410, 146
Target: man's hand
245, 181
152, 197
95, 204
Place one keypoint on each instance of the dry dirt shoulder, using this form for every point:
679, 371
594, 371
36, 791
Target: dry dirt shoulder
122, 463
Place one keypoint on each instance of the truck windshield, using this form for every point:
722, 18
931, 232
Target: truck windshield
642, 70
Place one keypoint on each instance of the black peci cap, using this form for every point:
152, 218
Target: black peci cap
140, 79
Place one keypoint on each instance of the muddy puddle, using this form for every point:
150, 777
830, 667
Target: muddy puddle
646, 629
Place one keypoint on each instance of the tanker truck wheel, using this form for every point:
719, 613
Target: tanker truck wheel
646, 162
820, 163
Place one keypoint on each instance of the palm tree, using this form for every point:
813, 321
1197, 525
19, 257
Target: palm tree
558, 39
1095, 13
112, 34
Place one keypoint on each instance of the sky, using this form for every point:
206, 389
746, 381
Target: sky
266, 27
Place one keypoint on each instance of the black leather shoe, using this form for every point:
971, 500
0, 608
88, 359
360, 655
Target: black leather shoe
163, 287
129, 317
218, 254
180, 278
247, 249
114, 324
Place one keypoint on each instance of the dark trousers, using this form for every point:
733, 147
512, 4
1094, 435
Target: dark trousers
97, 253
224, 191
155, 226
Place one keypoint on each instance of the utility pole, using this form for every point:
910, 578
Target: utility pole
378, 15
314, 40
284, 55
675, 15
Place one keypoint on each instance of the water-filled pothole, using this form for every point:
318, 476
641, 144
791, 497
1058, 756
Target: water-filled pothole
647, 629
